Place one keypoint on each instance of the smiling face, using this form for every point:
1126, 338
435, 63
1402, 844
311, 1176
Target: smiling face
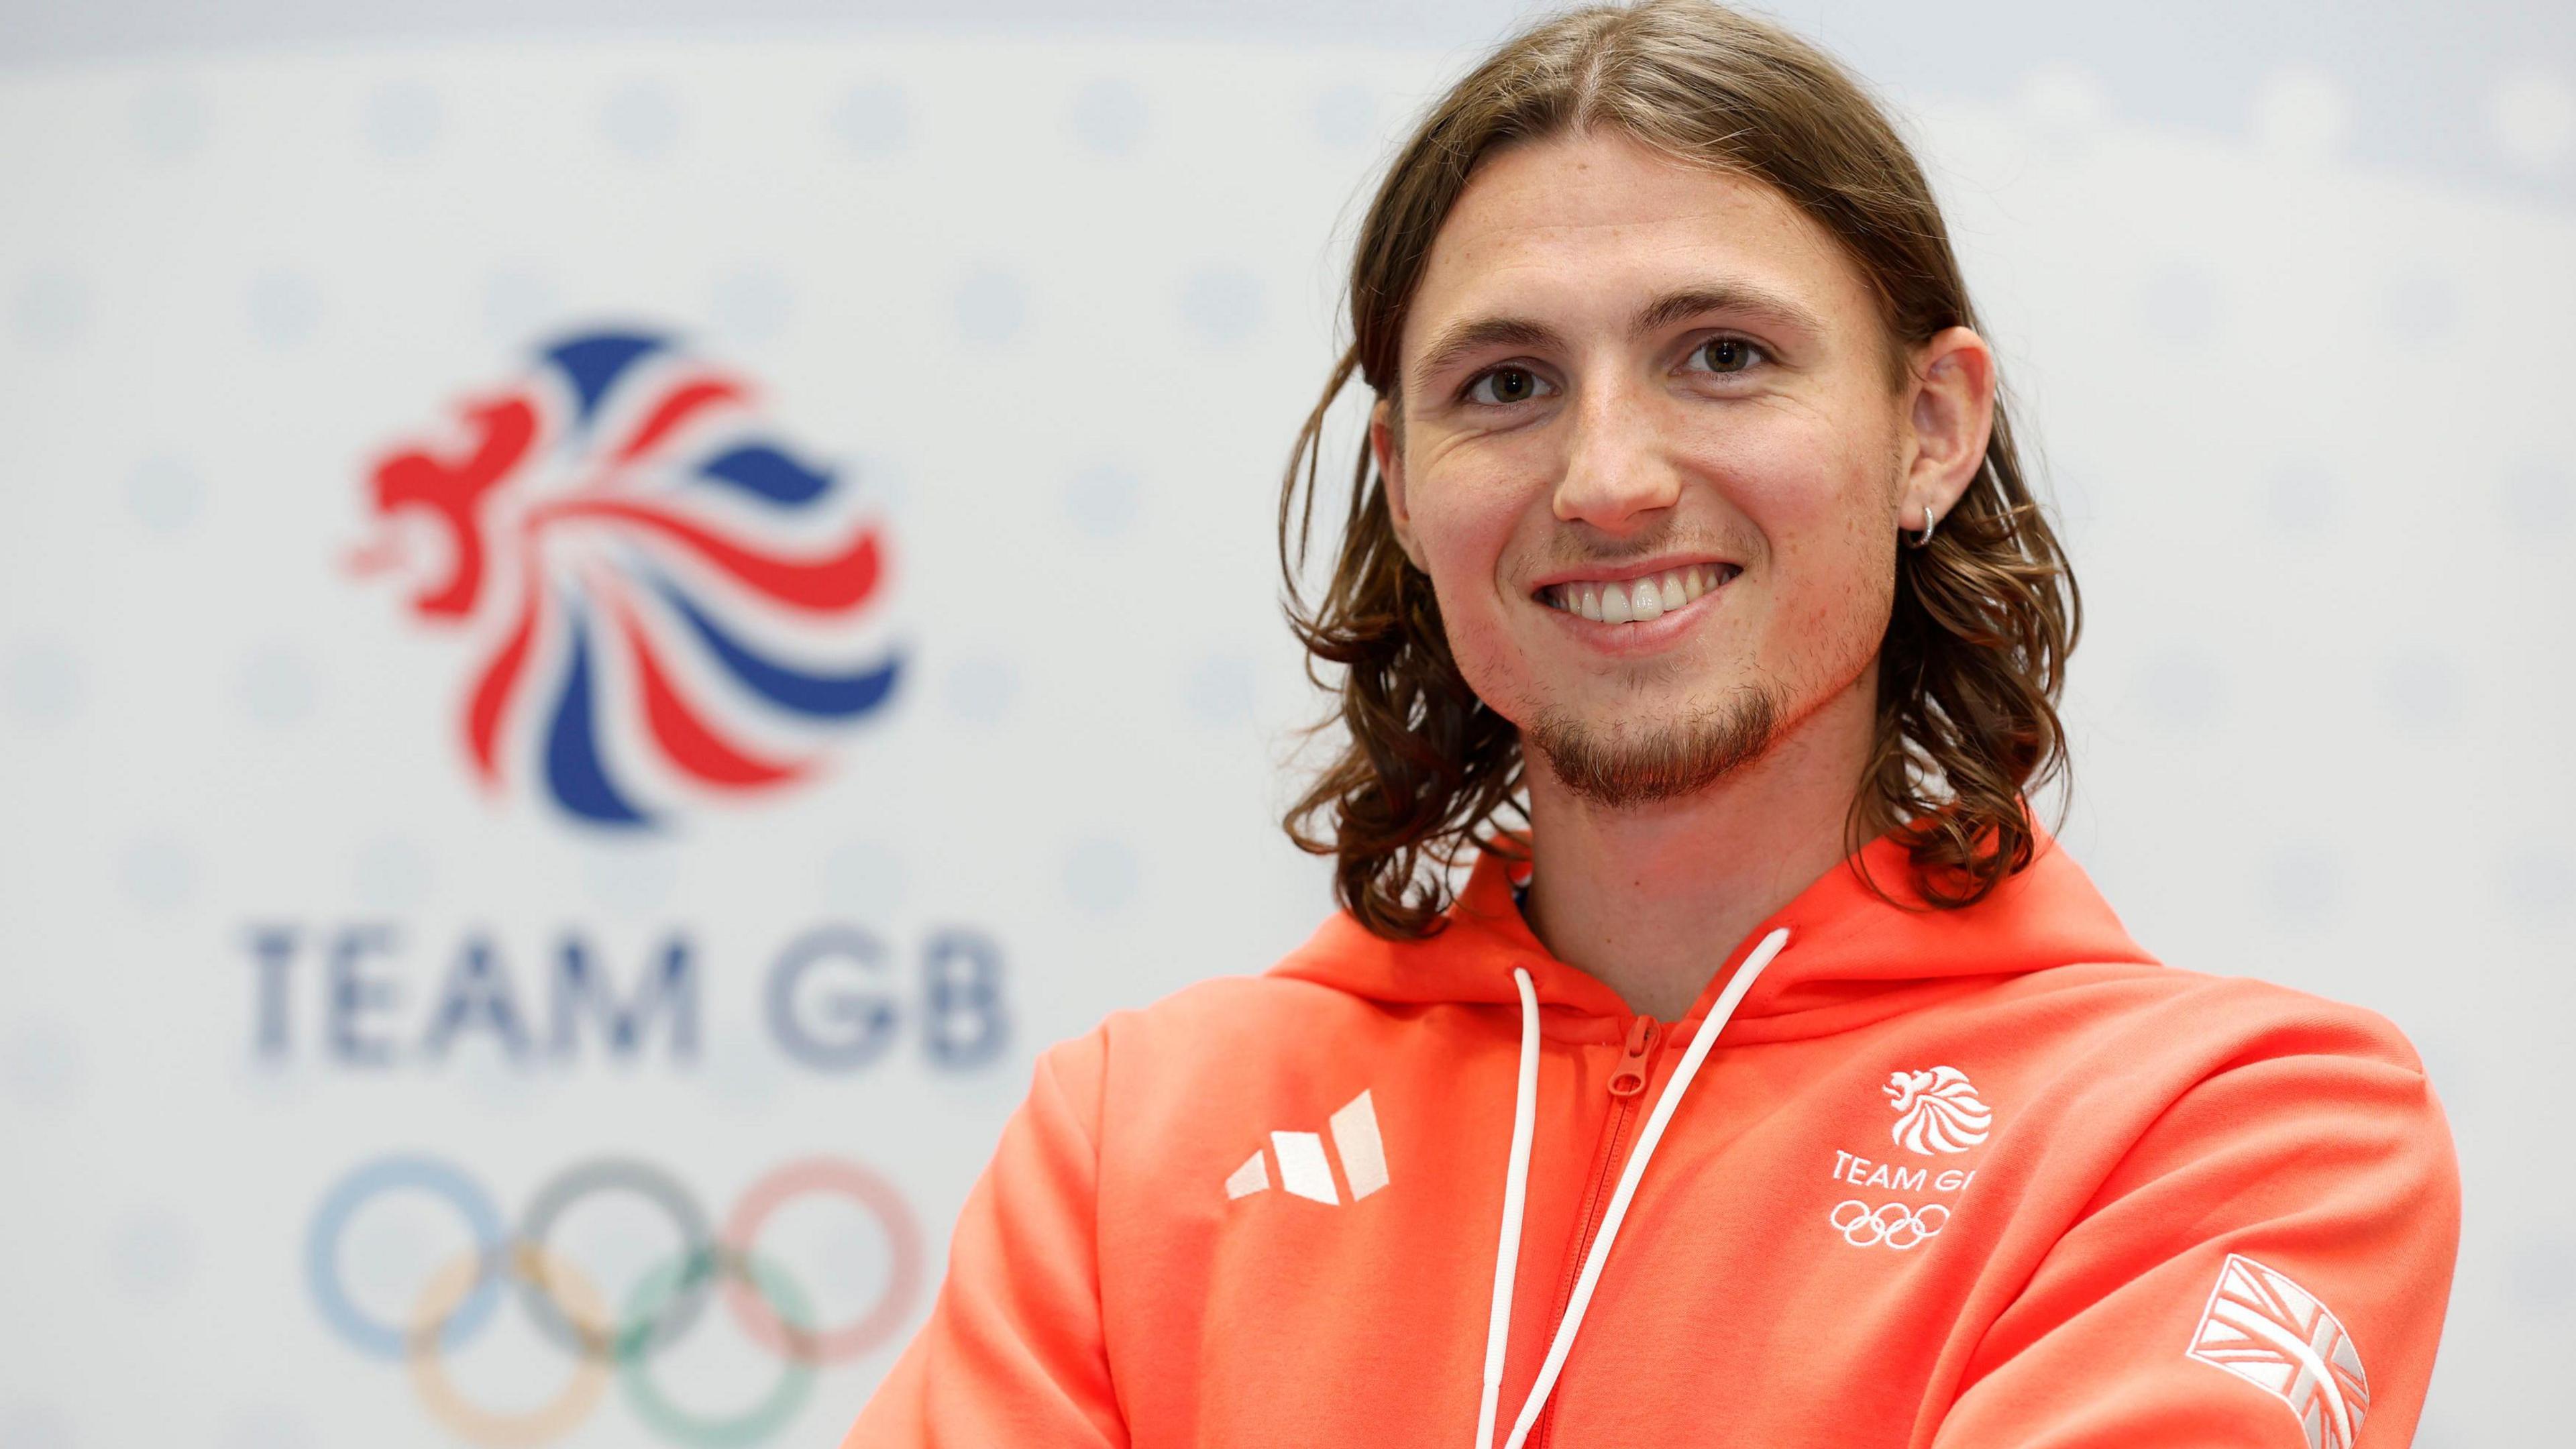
1651, 454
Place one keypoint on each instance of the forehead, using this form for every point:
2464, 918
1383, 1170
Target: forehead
1576, 229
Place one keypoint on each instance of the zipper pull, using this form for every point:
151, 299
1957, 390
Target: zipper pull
1630, 1079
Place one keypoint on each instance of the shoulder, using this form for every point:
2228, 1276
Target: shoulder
2146, 1070
1211, 1036
2161, 1011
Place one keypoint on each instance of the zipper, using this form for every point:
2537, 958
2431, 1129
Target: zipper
1627, 1084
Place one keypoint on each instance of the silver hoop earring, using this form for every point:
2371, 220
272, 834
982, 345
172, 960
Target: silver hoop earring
1929, 520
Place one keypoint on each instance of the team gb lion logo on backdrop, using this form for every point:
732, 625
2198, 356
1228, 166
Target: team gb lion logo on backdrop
1936, 1111
649, 576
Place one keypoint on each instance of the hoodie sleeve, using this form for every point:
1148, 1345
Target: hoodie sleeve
1013, 1351
2267, 1267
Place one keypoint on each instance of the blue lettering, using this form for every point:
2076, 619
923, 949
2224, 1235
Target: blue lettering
353, 994
672, 985
844, 1030
966, 1023
477, 991
272, 951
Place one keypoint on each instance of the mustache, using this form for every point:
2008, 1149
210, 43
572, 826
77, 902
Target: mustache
1572, 549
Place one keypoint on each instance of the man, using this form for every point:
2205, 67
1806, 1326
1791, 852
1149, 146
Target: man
1782, 1082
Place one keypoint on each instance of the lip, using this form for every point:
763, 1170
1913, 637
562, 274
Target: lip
1625, 572
1633, 639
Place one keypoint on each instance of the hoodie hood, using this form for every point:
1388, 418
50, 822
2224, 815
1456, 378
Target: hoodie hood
1853, 955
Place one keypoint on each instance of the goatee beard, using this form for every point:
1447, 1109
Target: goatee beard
1623, 768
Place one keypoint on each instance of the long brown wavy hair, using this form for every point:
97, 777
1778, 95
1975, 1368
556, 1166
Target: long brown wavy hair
1984, 618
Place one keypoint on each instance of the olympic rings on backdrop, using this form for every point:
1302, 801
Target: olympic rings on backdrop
664, 1303
450, 1287
761, 1281
1895, 1224
845, 1179
322, 1248
612, 1174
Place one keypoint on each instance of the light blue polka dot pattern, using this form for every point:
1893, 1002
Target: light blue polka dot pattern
874, 118
2303, 884
35, 1426
42, 1066
2181, 690
159, 874
171, 120
991, 307
2182, 303
751, 306
285, 308
882, 479
1109, 117
2303, 499
1102, 500
164, 494
517, 302
1101, 876
2542, 1278
865, 879
278, 686
51, 309
1222, 305
2422, 690
2537, 885
41, 683
2537, 498
980, 690
151, 1254
632, 878
1218, 689
266, 1426
642, 119
403, 119
2423, 308
1345, 116
391, 873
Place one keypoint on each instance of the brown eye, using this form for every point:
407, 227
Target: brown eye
1505, 385
1727, 354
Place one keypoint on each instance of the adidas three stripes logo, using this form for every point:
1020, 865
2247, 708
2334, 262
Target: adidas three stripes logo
1304, 1171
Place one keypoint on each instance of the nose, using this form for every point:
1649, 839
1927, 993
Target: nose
1617, 471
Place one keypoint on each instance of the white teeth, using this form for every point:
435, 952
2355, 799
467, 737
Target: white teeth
1638, 600
1614, 605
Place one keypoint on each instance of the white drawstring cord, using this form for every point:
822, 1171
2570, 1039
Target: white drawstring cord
1507, 1247
1516, 1189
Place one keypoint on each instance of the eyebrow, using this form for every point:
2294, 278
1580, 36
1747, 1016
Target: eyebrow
1759, 304
1467, 338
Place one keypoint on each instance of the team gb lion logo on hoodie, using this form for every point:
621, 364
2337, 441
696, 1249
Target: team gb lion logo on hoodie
1936, 1111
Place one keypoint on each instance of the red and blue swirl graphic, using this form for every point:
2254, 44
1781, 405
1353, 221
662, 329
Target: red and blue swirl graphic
664, 593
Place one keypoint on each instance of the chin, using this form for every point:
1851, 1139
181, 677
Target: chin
1619, 760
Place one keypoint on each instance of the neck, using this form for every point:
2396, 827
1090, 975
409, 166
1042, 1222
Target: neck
1650, 899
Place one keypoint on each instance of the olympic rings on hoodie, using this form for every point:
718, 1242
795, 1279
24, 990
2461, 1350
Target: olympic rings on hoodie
1895, 1224
664, 1303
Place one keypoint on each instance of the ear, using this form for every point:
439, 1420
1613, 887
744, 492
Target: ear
1387, 446
1950, 413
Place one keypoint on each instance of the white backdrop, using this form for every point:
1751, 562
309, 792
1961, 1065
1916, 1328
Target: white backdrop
1053, 311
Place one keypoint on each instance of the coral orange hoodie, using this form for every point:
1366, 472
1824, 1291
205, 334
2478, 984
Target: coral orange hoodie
1989, 1177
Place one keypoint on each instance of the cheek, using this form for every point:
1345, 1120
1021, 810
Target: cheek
1821, 499
1462, 525
1465, 524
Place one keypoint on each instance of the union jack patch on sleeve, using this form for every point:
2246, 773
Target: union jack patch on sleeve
2269, 1331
